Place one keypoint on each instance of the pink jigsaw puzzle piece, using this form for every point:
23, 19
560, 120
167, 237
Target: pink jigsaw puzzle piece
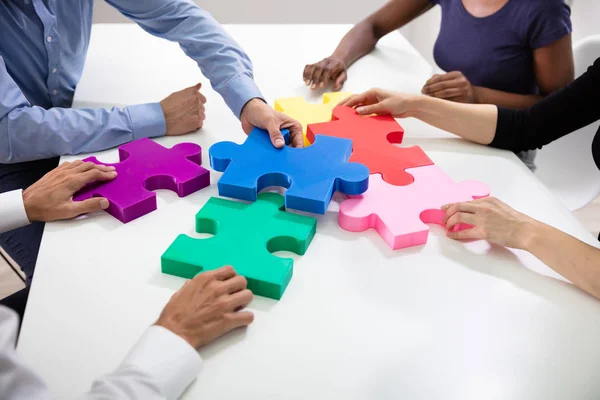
146, 166
400, 213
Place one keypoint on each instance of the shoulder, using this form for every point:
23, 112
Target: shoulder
545, 21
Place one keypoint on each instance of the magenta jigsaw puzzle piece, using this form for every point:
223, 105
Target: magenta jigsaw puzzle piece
146, 166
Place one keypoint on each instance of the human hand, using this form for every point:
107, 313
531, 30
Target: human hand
256, 113
492, 220
329, 69
451, 86
381, 102
208, 306
184, 111
51, 198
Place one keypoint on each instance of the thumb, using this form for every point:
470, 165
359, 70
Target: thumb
276, 136
89, 206
198, 86
339, 81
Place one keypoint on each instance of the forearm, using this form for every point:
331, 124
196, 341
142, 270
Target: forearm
504, 99
202, 38
570, 257
159, 367
474, 122
30, 133
359, 41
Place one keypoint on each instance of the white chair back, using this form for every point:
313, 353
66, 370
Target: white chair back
566, 166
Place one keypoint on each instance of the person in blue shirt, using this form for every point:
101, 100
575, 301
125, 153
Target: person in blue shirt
42, 52
509, 53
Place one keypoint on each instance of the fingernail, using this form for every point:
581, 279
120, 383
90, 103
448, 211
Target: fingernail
360, 110
112, 174
104, 204
111, 168
314, 86
322, 84
307, 83
279, 142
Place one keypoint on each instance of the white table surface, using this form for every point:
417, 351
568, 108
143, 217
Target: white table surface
358, 321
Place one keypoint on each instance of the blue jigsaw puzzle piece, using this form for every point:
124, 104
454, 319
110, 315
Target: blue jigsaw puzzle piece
311, 175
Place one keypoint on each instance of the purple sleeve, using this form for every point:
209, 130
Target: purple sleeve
548, 22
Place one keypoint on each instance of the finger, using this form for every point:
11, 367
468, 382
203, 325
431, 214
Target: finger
197, 86
233, 285
339, 81
239, 300
434, 79
221, 274
238, 319
465, 234
326, 76
276, 136
317, 77
307, 75
447, 94
80, 180
89, 166
460, 218
202, 99
94, 204
296, 135
71, 165
355, 100
437, 87
451, 209
378, 108
439, 78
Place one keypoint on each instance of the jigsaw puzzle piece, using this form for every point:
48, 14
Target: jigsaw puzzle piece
311, 174
146, 166
310, 113
245, 235
373, 138
400, 213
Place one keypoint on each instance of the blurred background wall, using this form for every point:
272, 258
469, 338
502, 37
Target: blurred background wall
421, 32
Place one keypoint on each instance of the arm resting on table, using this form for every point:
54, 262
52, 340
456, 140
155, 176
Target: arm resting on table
29, 132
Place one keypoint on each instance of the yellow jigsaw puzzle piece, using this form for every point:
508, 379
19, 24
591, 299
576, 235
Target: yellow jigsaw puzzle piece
310, 113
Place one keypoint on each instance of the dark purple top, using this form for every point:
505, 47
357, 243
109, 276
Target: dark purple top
496, 52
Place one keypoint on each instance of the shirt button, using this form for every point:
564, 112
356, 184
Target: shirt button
49, 39
27, 1
54, 92
54, 70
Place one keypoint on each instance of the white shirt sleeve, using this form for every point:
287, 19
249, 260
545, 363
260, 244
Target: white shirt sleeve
160, 366
12, 211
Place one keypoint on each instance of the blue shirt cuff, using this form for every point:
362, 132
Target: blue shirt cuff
238, 91
147, 120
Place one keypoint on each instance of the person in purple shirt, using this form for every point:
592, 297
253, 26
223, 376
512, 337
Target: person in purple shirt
509, 53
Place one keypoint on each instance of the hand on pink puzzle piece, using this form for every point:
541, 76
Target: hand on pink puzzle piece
400, 213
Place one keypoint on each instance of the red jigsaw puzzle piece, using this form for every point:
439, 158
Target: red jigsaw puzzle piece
373, 139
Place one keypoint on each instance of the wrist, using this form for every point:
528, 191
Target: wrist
174, 328
530, 234
417, 105
30, 209
253, 102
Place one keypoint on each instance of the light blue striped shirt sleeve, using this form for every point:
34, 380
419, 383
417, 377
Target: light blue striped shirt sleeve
30, 132
202, 38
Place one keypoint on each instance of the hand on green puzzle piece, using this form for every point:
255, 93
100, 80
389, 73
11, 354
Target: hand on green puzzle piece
245, 235
207, 307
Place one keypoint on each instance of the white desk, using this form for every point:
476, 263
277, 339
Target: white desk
358, 320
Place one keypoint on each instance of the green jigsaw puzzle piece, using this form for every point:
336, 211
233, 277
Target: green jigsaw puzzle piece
245, 235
